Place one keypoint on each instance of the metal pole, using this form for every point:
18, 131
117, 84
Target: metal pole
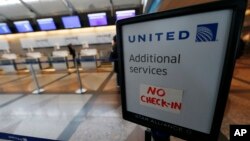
38, 90
159, 135
81, 90
148, 135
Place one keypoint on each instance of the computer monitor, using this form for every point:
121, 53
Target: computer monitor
71, 22
46, 24
4, 28
23, 26
124, 14
97, 19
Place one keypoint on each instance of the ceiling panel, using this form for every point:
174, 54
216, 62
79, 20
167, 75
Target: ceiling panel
126, 2
2, 18
90, 5
15, 11
25, 9
48, 7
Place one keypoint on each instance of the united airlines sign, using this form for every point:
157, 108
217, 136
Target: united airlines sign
159, 36
176, 67
204, 33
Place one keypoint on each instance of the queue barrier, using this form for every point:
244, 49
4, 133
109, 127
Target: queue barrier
34, 65
86, 62
82, 59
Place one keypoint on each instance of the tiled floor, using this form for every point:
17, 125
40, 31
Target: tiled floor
40, 116
96, 115
238, 104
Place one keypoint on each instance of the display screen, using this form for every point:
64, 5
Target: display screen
23, 26
124, 14
97, 19
4, 29
71, 22
46, 24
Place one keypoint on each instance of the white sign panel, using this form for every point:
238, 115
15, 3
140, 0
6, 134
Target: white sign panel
173, 67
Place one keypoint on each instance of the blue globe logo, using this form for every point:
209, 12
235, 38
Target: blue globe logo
206, 32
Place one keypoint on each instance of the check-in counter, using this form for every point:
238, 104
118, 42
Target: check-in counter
7, 62
20, 64
7, 65
33, 57
60, 60
10, 56
88, 59
36, 58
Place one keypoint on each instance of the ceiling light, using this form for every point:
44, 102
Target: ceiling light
9, 2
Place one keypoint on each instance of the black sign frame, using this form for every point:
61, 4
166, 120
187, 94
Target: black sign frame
238, 7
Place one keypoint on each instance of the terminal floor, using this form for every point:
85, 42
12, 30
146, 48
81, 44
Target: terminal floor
61, 114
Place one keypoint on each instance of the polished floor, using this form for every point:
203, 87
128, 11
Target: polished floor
61, 114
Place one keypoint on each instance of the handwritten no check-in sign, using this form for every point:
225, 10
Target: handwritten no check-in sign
166, 99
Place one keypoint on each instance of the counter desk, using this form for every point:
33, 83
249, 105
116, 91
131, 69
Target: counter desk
39, 61
88, 59
60, 60
9, 62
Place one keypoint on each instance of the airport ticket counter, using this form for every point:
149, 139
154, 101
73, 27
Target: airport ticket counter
10, 63
88, 59
60, 60
36, 58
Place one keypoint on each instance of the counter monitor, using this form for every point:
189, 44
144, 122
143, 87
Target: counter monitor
124, 14
23, 26
71, 22
46, 24
97, 19
4, 28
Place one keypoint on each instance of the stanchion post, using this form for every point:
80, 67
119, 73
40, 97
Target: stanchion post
159, 135
81, 90
38, 89
148, 134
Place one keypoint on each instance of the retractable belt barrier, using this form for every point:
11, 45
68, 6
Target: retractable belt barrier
54, 60
30, 62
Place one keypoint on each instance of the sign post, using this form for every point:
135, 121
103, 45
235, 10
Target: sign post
176, 67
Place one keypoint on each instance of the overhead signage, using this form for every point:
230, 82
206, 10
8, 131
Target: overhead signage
176, 67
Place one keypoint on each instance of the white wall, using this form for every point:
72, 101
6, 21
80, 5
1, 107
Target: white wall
44, 39
97, 35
